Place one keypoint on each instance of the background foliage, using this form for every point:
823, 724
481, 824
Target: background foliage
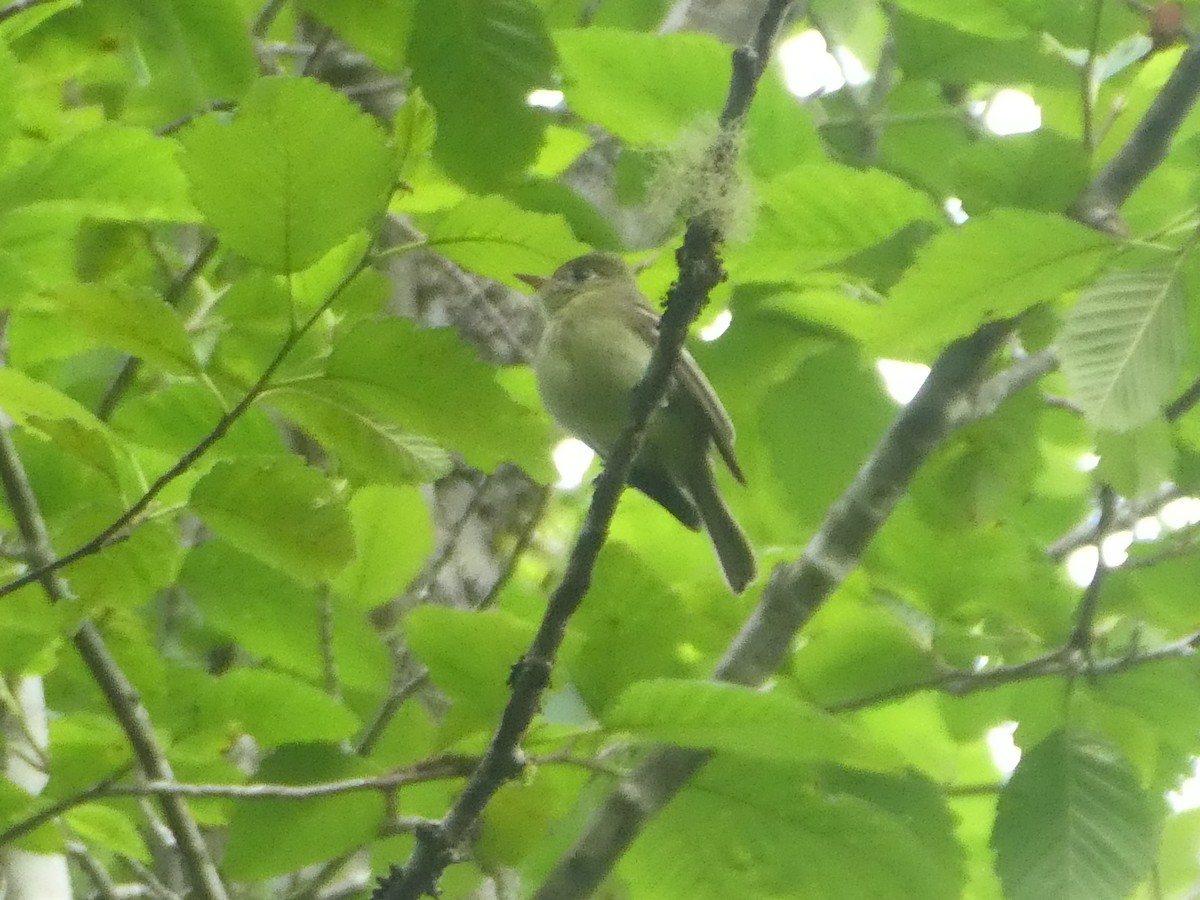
262, 379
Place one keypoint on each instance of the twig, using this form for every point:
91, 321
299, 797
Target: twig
1062, 661
185, 462
19, 7
1085, 614
1183, 402
1125, 515
179, 286
1087, 79
438, 768
1147, 147
266, 16
699, 273
523, 540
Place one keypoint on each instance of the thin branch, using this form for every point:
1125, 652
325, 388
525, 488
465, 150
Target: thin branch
1085, 614
19, 7
1063, 661
395, 700
1087, 78
266, 16
524, 538
172, 296
1145, 149
1125, 515
1183, 402
699, 272
439, 768
185, 462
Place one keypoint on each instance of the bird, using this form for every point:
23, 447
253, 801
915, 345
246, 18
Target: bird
594, 350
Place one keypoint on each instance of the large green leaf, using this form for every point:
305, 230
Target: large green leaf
368, 449
393, 535
317, 829
741, 720
1074, 823
280, 510
751, 828
379, 28
298, 171
429, 382
191, 54
109, 172
993, 267
988, 18
493, 237
126, 318
1122, 346
477, 61
823, 213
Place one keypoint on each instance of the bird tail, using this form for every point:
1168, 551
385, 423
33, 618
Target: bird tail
728, 539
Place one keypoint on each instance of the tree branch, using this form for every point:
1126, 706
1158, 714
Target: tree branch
1101, 202
797, 590
699, 272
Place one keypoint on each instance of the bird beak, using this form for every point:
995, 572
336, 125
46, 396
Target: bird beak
534, 281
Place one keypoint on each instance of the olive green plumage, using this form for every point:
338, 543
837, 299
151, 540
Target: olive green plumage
594, 351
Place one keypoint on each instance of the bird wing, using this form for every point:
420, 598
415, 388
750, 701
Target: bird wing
689, 377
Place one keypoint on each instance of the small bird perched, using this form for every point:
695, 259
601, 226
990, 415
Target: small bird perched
593, 353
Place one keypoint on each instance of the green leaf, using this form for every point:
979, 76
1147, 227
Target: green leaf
469, 656
259, 607
497, 239
37, 249
393, 535
109, 172
299, 170
277, 709
988, 18
125, 318
279, 510
822, 213
643, 88
816, 443
1074, 823
993, 267
106, 827
749, 722
752, 828
190, 54
429, 382
369, 450
29, 402
414, 129
1122, 346
379, 28
1138, 461
177, 417
477, 61
317, 830
1043, 171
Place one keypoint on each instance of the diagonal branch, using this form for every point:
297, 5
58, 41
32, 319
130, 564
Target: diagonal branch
699, 272
951, 396
1102, 200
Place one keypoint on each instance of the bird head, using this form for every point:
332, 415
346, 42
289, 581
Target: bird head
571, 277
